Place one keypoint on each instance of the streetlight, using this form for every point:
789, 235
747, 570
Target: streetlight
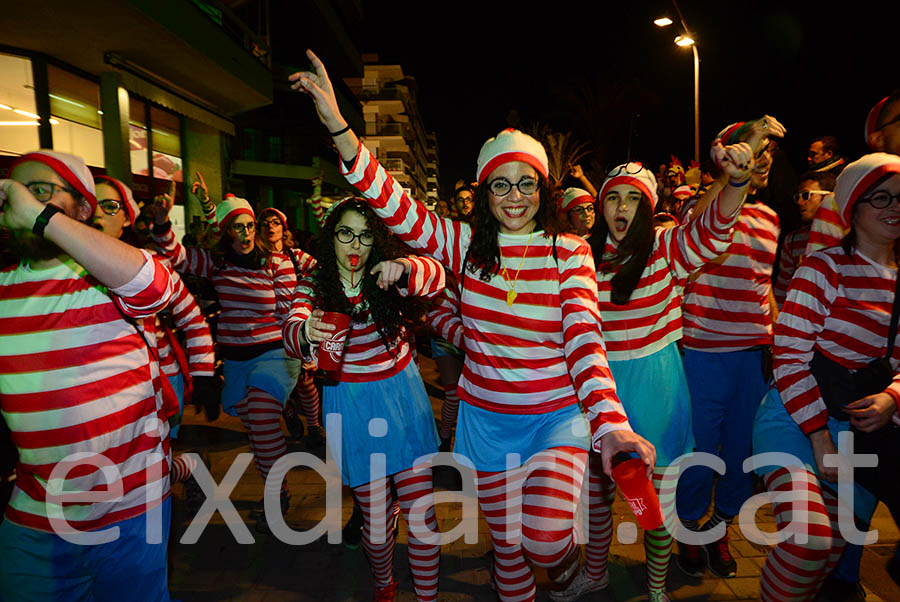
684, 40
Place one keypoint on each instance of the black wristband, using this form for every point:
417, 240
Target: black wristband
41, 221
160, 229
339, 132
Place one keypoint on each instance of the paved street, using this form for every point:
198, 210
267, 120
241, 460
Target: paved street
219, 568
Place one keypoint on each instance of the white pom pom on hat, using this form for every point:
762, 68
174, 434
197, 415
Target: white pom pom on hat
573, 197
859, 176
231, 207
634, 174
507, 146
70, 168
131, 206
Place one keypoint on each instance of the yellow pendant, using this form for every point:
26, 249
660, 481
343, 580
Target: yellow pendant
511, 297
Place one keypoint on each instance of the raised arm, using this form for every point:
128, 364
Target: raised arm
199, 262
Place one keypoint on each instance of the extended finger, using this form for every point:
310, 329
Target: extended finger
317, 64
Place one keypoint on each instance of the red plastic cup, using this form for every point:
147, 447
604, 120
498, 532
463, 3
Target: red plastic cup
631, 478
331, 350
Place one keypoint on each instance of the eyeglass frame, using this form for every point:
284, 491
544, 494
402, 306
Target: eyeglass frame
119, 206
584, 209
354, 236
516, 185
249, 227
621, 168
798, 195
53, 186
891, 198
272, 220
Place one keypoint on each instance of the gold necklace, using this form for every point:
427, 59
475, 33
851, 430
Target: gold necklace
511, 294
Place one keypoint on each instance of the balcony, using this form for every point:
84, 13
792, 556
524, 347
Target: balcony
394, 165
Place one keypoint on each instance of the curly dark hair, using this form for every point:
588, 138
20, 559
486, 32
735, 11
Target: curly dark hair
387, 308
484, 251
632, 253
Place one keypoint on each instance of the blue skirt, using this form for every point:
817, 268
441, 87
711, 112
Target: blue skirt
775, 431
654, 392
392, 417
484, 438
273, 372
177, 382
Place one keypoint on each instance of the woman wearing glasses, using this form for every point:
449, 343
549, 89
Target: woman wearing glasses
639, 270
254, 289
578, 206
379, 394
838, 310
535, 356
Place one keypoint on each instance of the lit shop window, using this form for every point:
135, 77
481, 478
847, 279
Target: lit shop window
155, 137
18, 111
76, 115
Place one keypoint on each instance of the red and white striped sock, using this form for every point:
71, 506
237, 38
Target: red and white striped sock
309, 398
601, 493
415, 487
182, 467
376, 502
658, 543
795, 571
449, 411
261, 416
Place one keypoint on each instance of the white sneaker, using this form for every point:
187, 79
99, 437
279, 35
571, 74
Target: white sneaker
581, 585
658, 597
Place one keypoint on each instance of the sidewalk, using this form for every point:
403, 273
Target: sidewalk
219, 568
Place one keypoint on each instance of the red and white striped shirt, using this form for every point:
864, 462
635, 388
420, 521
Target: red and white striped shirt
793, 250
304, 262
366, 358
726, 302
652, 317
841, 306
254, 301
444, 318
542, 353
828, 228
197, 338
76, 378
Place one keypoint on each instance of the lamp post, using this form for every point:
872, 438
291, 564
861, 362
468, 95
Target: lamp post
684, 40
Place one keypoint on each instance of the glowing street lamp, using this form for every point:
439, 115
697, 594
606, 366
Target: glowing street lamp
663, 22
686, 40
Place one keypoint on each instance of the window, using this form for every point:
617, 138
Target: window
154, 127
75, 108
18, 110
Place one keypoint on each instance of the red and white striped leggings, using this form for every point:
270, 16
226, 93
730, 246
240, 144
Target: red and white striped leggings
415, 496
530, 511
260, 414
795, 569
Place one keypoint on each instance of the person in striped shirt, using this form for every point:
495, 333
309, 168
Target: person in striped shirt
812, 189
379, 394
728, 312
276, 237
535, 365
81, 396
254, 289
838, 304
638, 271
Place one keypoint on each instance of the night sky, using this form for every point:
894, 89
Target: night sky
597, 68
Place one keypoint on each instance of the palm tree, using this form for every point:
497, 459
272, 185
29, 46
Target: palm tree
563, 150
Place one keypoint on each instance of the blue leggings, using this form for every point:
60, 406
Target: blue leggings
726, 390
42, 567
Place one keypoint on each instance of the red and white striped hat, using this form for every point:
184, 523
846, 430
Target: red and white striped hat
131, 206
683, 192
634, 174
872, 119
507, 146
231, 207
70, 168
858, 177
573, 197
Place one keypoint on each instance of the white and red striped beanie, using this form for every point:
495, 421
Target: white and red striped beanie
70, 168
634, 174
872, 119
573, 197
281, 216
507, 146
231, 207
131, 206
858, 177
683, 192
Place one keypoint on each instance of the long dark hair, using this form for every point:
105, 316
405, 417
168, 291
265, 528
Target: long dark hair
484, 251
385, 307
632, 253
